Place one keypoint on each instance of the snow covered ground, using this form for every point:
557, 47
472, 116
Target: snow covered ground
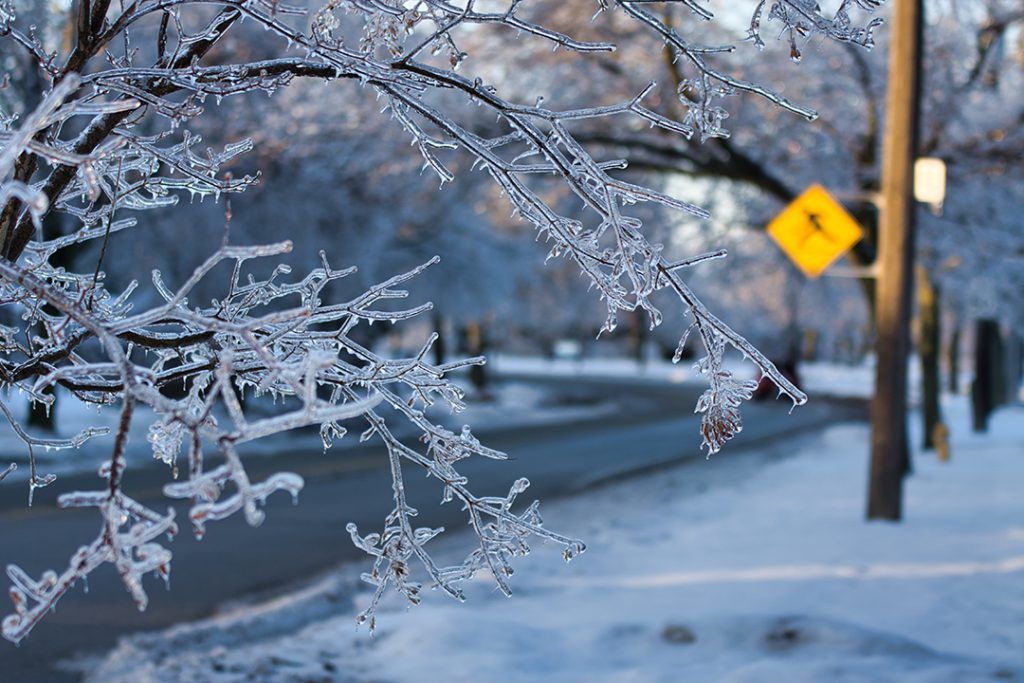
607, 368
746, 568
817, 378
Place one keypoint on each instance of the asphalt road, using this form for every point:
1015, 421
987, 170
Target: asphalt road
652, 426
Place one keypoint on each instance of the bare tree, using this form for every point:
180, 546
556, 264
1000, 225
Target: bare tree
110, 138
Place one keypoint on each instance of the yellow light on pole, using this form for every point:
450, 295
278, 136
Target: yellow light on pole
930, 181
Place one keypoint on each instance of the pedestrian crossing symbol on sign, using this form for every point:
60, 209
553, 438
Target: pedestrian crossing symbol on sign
815, 230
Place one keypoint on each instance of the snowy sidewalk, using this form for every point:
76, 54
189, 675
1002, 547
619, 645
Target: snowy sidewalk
739, 570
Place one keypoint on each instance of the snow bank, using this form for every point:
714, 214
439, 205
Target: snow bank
741, 569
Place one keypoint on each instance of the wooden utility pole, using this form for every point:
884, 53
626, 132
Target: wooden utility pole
890, 454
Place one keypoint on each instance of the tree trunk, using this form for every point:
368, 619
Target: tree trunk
54, 226
638, 334
928, 351
954, 361
998, 365
985, 370
868, 285
809, 342
439, 346
1015, 366
476, 345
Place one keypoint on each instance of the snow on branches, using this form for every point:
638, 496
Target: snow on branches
110, 137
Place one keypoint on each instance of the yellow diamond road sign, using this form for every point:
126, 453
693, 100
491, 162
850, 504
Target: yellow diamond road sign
815, 230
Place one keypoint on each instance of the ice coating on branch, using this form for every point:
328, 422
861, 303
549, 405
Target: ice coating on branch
802, 18
166, 439
117, 139
720, 403
126, 540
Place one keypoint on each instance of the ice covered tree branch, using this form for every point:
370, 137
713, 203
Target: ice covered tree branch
114, 136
